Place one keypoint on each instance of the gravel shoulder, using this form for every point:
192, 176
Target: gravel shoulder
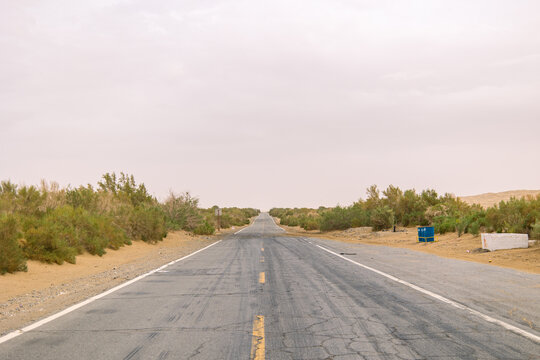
465, 247
45, 289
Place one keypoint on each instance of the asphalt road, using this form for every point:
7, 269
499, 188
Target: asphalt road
259, 294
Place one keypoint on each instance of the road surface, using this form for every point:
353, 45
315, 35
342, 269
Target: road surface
261, 295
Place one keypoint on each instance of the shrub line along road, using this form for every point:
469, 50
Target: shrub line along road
259, 294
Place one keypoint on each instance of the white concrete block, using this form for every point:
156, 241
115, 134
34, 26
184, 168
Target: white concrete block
504, 241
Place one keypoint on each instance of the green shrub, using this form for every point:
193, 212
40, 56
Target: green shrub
446, 213
83, 230
115, 235
11, 255
474, 228
310, 223
44, 242
148, 224
514, 215
359, 215
181, 212
535, 231
204, 228
444, 224
284, 221
277, 212
461, 226
337, 218
54, 225
382, 218
292, 221
98, 232
83, 197
231, 216
29, 201
125, 189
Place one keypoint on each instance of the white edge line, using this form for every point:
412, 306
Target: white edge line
241, 230
279, 227
37, 324
443, 299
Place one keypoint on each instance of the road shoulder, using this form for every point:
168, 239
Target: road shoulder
465, 247
48, 288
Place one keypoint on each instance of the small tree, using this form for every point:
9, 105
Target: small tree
535, 232
11, 255
382, 218
182, 211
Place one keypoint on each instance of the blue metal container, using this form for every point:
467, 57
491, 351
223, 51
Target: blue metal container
426, 234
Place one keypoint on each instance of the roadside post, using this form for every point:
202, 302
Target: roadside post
218, 215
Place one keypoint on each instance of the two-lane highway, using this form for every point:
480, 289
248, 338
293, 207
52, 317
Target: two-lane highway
259, 294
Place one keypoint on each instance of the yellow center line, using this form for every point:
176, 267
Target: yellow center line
262, 249
262, 258
261, 277
257, 342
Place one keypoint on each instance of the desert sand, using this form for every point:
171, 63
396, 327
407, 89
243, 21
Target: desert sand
489, 199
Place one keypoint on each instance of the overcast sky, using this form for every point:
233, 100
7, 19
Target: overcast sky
272, 103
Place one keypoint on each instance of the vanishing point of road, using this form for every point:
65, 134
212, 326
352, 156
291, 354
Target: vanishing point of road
260, 294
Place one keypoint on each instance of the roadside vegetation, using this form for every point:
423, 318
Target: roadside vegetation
381, 211
54, 224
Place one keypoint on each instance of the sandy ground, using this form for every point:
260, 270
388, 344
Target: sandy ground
48, 288
449, 245
489, 199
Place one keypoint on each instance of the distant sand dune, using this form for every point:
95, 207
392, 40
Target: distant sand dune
489, 199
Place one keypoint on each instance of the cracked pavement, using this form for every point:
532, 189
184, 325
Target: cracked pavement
315, 306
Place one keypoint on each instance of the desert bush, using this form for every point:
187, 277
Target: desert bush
292, 221
53, 196
8, 196
514, 215
444, 224
181, 212
446, 213
535, 231
85, 231
231, 216
204, 228
126, 189
310, 222
359, 214
304, 217
474, 228
234, 216
382, 218
250, 212
44, 242
461, 226
28, 201
51, 224
97, 232
83, 197
11, 255
284, 220
277, 212
338, 218
147, 223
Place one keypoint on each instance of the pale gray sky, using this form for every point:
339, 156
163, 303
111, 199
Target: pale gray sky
272, 103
